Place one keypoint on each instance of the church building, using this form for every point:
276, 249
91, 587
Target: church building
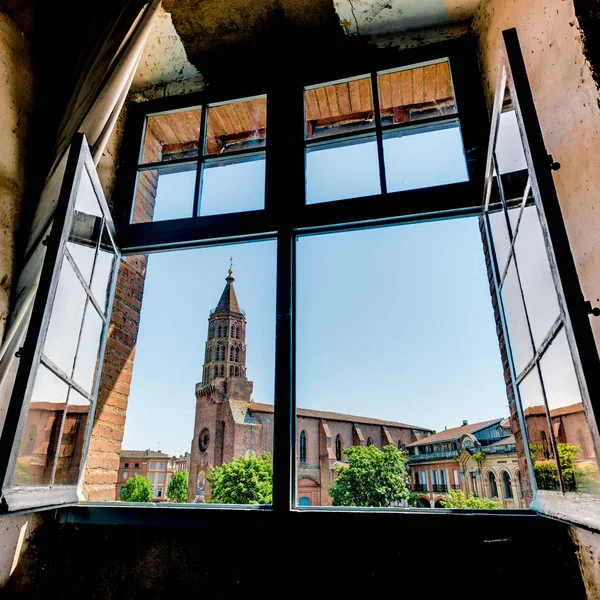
228, 424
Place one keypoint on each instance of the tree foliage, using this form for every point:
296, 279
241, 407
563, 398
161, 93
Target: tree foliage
137, 489
373, 477
177, 489
580, 478
457, 499
243, 481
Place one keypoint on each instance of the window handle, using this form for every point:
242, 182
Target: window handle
592, 310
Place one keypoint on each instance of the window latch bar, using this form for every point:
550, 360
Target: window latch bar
554, 166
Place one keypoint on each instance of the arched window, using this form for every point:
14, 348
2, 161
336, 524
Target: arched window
338, 447
304, 501
223, 351
222, 370
237, 371
225, 331
369, 441
303, 447
493, 486
231, 354
507, 486
211, 332
219, 331
237, 354
237, 333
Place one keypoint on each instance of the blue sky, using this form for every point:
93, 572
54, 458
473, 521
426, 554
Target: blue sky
394, 323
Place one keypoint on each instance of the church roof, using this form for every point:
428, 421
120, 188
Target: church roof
228, 301
454, 433
320, 414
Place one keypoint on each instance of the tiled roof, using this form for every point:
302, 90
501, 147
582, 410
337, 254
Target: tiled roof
506, 440
320, 414
555, 412
454, 433
143, 454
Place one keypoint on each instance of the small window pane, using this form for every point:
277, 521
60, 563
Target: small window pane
536, 277
340, 170
105, 262
72, 441
40, 434
516, 319
411, 94
87, 201
82, 242
571, 431
237, 126
87, 354
163, 195
500, 237
337, 108
172, 136
67, 313
419, 158
538, 432
233, 185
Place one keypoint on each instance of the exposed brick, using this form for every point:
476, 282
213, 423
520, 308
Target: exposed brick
101, 477
118, 346
105, 494
110, 463
101, 445
109, 416
105, 430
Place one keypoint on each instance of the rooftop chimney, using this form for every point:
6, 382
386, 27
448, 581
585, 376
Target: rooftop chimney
465, 422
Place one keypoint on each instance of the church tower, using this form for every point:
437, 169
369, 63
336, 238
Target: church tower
225, 352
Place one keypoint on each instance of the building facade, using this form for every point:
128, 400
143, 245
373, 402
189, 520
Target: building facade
157, 466
228, 424
479, 459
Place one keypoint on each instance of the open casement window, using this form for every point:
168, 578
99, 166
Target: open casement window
545, 320
48, 425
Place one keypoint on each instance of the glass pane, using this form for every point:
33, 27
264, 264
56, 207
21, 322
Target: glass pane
516, 320
369, 326
500, 237
172, 136
42, 429
342, 107
538, 432
87, 201
65, 321
233, 185
509, 151
103, 270
236, 126
346, 169
232, 316
576, 450
418, 158
163, 194
411, 94
536, 277
87, 354
72, 443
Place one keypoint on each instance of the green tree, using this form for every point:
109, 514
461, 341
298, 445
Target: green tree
457, 499
373, 477
177, 489
137, 489
243, 481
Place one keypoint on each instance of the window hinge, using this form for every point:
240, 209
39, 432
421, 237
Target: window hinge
592, 310
554, 166
19, 352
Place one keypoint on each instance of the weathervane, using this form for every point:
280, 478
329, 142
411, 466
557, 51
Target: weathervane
230, 265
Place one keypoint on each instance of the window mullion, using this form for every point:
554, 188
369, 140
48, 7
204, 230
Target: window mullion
379, 135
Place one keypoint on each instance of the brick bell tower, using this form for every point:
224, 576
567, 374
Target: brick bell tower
223, 382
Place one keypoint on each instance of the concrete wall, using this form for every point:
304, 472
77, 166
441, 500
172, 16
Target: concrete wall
568, 107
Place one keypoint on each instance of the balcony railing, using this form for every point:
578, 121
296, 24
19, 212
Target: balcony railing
442, 454
439, 487
419, 487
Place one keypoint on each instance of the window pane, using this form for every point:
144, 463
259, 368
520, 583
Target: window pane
516, 320
571, 431
418, 158
72, 441
369, 326
82, 242
165, 194
500, 237
105, 262
87, 354
236, 126
536, 277
65, 322
538, 432
41, 431
232, 368
172, 136
347, 169
233, 185
411, 94
337, 108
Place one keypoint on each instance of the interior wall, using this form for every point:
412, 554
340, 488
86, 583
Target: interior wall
568, 107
